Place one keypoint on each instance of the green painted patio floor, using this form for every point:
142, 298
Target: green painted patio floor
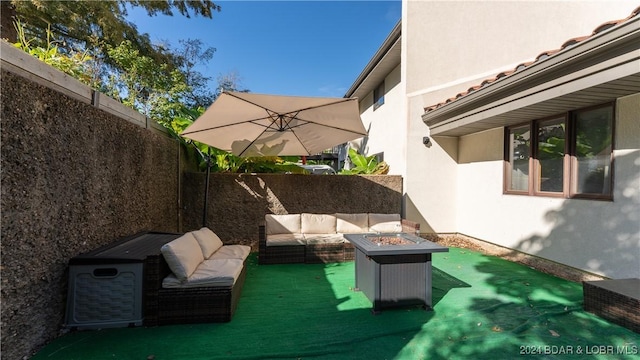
484, 308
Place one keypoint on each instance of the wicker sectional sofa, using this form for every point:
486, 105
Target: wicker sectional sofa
318, 238
203, 280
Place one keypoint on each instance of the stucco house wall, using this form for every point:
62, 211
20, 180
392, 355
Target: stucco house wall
455, 184
596, 236
448, 47
386, 125
451, 44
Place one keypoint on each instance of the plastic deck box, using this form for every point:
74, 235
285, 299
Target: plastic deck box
106, 295
116, 285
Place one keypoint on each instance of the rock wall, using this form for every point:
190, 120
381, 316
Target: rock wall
237, 203
73, 178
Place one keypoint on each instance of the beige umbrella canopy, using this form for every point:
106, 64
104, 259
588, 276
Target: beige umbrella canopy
247, 124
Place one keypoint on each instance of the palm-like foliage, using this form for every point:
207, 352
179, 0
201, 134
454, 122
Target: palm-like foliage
365, 165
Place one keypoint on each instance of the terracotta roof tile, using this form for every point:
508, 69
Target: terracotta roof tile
574, 41
542, 56
545, 54
606, 26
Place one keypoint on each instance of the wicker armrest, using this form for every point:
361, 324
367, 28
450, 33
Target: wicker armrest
409, 226
262, 234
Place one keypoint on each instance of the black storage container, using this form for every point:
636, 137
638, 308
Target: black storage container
107, 285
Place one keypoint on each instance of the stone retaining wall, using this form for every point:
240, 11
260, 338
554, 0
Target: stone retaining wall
79, 171
238, 202
74, 178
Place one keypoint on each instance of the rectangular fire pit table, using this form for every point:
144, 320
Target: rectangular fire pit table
394, 270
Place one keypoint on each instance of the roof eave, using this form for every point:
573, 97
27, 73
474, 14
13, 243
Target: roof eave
612, 48
380, 54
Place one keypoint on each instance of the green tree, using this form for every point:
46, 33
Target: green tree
191, 53
97, 24
156, 91
96, 28
230, 81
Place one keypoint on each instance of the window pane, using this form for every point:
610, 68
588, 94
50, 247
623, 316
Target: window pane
550, 155
378, 96
593, 151
519, 152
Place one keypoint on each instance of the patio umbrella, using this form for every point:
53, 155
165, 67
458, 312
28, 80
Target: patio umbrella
247, 124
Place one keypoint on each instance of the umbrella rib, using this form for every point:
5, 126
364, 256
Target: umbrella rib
338, 101
323, 105
301, 143
247, 121
253, 121
282, 121
275, 122
307, 122
247, 101
266, 128
297, 111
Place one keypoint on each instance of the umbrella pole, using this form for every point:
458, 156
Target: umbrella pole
206, 189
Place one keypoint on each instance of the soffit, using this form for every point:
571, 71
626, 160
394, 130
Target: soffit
389, 62
595, 95
386, 59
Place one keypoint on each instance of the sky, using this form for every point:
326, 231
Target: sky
299, 48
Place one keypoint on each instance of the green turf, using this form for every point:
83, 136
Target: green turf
484, 308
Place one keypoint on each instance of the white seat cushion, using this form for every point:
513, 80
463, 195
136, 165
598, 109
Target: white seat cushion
208, 240
282, 224
183, 255
218, 272
312, 239
352, 223
385, 223
318, 223
285, 239
232, 252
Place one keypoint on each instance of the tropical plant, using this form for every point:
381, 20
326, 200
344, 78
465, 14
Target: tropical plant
74, 63
365, 165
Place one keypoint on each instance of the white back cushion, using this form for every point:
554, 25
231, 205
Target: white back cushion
387, 223
282, 224
352, 223
208, 240
232, 252
318, 223
183, 255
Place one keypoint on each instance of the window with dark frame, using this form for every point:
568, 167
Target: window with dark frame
569, 155
378, 96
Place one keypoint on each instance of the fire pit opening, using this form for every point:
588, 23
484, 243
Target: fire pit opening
389, 240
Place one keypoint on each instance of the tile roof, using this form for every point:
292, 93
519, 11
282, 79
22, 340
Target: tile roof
542, 56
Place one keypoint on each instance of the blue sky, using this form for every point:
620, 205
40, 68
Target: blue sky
303, 48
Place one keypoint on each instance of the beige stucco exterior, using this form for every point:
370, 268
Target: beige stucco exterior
382, 124
455, 185
597, 236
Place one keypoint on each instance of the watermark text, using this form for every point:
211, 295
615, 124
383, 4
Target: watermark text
578, 350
